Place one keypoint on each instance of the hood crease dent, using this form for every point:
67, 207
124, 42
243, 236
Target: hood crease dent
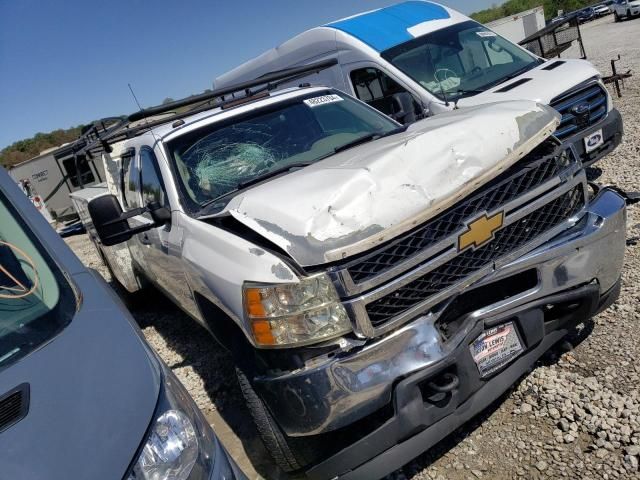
361, 197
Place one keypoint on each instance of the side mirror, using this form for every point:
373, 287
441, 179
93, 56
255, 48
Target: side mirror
111, 223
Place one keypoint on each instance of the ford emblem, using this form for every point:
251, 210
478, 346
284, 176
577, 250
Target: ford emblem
594, 140
581, 109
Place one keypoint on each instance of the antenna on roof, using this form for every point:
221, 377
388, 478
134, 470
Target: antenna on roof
134, 96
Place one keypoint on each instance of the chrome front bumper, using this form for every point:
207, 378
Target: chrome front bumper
336, 391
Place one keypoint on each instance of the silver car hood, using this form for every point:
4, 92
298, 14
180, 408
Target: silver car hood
366, 195
540, 85
94, 389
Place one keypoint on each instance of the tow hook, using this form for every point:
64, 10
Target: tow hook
630, 198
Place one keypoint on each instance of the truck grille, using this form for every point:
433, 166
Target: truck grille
507, 240
506, 189
580, 109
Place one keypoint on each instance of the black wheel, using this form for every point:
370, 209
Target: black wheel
616, 17
290, 454
629, 15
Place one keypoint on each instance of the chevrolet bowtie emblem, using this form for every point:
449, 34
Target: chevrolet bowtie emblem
480, 231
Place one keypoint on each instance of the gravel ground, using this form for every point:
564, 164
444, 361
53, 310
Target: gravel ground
576, 415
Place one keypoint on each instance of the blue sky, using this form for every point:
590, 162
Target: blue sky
68, 62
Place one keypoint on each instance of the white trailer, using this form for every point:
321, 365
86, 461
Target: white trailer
49, 178
519, 26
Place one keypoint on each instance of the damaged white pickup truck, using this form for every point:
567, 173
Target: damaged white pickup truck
377, 285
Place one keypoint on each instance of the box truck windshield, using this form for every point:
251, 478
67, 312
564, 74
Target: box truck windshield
460, 60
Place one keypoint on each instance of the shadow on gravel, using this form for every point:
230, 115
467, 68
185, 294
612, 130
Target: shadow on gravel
593, 173
575, 336
213, 365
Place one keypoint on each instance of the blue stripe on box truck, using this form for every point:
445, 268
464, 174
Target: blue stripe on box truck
387, 27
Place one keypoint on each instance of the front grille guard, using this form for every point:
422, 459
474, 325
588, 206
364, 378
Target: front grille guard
445, 251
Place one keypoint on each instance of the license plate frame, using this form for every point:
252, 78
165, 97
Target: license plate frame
593, 141
495, 348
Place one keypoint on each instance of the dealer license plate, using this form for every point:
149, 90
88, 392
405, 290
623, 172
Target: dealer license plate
496, 347
593, 141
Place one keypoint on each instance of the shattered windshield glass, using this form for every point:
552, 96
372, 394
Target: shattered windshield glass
222, 157
460, 60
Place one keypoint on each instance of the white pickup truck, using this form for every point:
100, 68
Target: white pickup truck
377, 284
625, 9
417, 59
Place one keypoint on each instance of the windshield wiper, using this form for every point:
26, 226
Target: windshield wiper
271, 173
462, 91
367, 138
358, 141
253, 181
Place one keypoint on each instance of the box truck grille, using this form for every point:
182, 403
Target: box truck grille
580, 110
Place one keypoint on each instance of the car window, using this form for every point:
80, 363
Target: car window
130, 180
151, 183
36, 301
78, 171
378, 89
215, 160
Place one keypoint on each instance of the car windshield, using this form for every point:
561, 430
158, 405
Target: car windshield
460, 60
36, 301
221, 158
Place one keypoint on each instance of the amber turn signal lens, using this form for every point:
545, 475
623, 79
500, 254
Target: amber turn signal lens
253, 300
262, 332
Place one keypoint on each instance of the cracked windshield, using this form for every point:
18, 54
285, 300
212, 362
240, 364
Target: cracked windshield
214, 161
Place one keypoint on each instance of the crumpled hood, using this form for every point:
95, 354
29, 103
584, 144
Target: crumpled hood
93, 388
541, 86
366, 195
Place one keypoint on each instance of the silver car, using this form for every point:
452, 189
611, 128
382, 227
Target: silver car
82, 395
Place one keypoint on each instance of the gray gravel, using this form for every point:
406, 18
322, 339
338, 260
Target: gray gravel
576, 415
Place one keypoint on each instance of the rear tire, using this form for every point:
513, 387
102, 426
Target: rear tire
286, 451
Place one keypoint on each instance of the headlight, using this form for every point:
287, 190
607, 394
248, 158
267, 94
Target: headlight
171, 450
295, 313
180, 444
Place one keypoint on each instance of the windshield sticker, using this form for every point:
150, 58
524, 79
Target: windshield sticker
14, 281
486, 34
323, 99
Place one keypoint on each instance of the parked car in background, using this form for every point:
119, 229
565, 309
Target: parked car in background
418, 59
82, 395
626, 9
586, 14
377, 285
601, 10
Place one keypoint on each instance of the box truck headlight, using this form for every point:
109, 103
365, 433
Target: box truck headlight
293, 314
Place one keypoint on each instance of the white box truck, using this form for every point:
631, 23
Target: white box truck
417, 59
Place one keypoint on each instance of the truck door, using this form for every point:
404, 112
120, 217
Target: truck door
159, 248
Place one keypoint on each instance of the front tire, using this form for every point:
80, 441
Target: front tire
290, 454
616, 17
